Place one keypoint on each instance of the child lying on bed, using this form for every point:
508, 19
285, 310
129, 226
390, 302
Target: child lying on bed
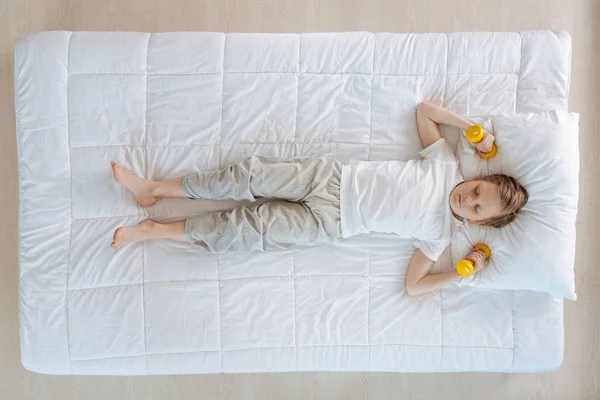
320, 200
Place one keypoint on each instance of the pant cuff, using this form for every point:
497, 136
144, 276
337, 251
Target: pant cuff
185, 186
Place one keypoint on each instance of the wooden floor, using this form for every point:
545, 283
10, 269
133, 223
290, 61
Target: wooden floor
579, 378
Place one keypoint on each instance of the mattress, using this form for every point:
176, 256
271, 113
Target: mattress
168, 104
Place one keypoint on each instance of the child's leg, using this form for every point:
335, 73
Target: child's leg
275, 224
148, 230
291, 180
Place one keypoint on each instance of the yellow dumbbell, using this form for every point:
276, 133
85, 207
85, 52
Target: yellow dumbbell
474, 135
466, 267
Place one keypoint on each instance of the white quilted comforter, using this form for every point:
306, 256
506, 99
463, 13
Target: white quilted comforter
168, 104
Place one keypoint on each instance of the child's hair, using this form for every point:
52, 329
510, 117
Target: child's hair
513, 197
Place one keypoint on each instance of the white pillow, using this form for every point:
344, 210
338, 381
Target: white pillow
537, 251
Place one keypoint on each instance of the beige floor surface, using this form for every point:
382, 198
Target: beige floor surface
579, 377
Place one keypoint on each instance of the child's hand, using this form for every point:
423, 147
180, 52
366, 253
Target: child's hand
485, 145
478, 257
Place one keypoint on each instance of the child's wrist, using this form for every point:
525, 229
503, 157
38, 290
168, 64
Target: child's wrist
467, 125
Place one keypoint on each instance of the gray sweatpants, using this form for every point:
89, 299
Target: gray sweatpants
305, 209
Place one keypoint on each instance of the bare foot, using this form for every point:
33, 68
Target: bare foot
142, 189
145, 230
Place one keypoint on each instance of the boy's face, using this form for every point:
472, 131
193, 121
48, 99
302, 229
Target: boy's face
476, 201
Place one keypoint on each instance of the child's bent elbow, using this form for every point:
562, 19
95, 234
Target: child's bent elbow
425, 105
411, 289
424, 109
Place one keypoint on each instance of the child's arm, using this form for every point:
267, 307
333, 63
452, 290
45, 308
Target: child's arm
428, 118
419, 281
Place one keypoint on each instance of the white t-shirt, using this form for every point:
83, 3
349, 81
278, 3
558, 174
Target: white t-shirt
408, 198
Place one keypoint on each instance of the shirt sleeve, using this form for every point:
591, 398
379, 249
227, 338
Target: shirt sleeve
432, 250
439, 151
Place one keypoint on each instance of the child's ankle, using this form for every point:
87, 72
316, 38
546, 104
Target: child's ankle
156, 190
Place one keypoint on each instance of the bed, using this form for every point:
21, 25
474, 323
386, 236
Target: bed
167, 104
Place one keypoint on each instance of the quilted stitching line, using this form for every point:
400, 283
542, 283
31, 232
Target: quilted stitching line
315, 143
294, 307
221, 279
441, 346
294, 247
219, 313
316, 346
369, 247
369, 305
219, 142
222, 103
446, 71
121, 146
297, 93
145, 172
143, 286
292, 73
512, 314
220, 166
371, 103
67, 300
520, 70
442, 290
71, 202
